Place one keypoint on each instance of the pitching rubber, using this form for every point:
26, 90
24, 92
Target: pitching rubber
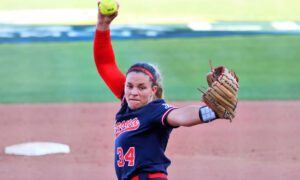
37, 149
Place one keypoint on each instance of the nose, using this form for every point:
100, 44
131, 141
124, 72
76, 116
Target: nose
134, 91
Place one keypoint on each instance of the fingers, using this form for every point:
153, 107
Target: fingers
114, 15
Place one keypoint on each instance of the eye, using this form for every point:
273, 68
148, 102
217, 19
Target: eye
129, 86
142, 87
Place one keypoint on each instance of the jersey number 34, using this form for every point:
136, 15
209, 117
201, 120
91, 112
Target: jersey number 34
129, 156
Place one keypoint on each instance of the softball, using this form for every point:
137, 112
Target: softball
108, 7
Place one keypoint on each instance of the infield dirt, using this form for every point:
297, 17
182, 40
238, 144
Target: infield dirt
261, 143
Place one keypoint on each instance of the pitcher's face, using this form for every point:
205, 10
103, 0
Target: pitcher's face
138, 90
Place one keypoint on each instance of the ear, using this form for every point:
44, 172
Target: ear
154, 89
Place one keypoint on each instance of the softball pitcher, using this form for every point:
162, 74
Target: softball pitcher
144, 121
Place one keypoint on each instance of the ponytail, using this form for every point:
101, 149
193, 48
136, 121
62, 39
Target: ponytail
159, 93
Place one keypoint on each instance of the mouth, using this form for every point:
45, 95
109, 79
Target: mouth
134, 100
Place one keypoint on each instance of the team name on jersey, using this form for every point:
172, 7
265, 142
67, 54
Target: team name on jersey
126, 125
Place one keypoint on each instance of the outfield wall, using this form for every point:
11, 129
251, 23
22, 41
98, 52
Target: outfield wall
46, 33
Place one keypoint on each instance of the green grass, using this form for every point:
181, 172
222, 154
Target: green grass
65, 72
176, 11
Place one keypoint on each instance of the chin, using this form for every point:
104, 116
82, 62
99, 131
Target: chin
135, 105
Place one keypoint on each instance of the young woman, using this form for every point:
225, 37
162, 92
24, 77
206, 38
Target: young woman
144, 122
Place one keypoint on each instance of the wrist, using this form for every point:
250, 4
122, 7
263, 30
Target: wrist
102, 27
206, 114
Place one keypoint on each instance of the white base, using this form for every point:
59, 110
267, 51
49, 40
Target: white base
37, 149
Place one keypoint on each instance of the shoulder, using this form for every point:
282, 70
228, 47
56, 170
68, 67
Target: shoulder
160, 103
